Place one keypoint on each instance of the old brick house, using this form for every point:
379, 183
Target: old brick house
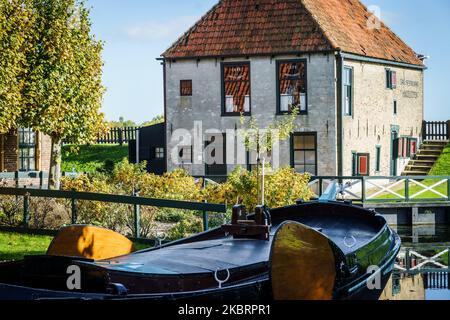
24, 150
358, 86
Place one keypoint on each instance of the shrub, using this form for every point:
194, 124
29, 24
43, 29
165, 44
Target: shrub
192, 224
11, 211
282, 187
147, 222
47, 213
108, 215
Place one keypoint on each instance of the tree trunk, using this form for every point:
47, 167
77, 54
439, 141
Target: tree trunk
54, 177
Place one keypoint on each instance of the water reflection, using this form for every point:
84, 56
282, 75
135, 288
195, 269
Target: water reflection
430, 234
424, 286
427, 240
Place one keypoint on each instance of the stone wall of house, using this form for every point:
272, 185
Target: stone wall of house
45, 148
373, 114
10, 149
205, 103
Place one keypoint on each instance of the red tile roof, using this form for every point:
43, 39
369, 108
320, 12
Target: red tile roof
268, 27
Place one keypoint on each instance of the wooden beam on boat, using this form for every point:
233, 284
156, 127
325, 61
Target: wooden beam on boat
89, 242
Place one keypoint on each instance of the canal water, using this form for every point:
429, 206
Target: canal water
426, 240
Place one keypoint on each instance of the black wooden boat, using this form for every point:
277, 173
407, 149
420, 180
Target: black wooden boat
313, 250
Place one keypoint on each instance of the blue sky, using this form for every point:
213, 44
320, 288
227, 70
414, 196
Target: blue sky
136, 32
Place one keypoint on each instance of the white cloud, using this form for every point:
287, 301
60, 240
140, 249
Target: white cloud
161, 30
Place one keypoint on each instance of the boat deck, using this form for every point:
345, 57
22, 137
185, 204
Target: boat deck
349, 233
198, 257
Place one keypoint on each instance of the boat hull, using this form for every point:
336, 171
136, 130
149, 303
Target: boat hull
192, 268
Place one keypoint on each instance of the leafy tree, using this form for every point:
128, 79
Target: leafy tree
63, 90
15, 31
262, 140
122, 123
155, 120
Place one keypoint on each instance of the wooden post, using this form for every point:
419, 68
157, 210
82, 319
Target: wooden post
407, 189
41, 179
238, 214
120, 136
320, 187
26, 210
448, 130
424, 130
16, 178
363, 189
74, 209
408, 260
205, 221
448, 190
448, 261
137, 218
205, 213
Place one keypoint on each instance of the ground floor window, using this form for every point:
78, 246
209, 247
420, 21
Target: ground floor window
304, 152
27, 150
159, 153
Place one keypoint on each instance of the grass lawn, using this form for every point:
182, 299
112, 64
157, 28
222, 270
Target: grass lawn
14, 246
442, 166
414, 189
91, 158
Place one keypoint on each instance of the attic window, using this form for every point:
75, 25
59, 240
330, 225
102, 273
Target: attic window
236, 88
292, 86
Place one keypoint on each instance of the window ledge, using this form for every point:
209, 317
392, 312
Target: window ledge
279, 113
236, 114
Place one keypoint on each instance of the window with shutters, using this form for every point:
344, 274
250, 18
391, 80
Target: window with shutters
361, 164
406, 146
391, 79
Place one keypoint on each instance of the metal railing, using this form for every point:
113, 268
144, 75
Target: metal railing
406, 189
30, 179
134, 200
411, 261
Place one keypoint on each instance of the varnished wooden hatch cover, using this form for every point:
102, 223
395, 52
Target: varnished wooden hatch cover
302, 264
89, 242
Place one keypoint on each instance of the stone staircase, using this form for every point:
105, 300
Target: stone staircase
426, 157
